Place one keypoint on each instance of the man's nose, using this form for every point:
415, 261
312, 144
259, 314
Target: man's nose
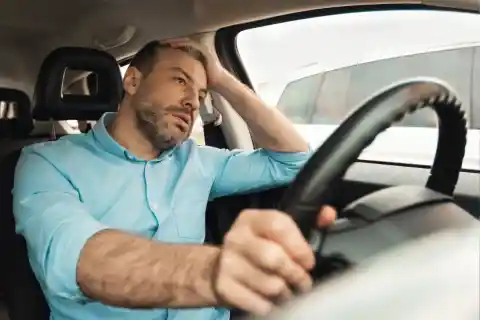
191, 101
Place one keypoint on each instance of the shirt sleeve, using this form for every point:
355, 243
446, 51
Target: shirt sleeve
242, 171
50, 215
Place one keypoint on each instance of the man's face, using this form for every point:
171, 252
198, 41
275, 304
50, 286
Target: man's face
166, 101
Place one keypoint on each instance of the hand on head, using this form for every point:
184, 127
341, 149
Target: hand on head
213, 67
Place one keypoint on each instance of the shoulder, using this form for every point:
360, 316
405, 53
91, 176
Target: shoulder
67, 149
190, 148
204, 158
206, 154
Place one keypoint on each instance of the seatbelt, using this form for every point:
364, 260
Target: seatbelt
212, 119
53, 133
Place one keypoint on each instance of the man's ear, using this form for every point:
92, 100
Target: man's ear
132, 80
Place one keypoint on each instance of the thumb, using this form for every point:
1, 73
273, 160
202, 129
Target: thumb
326, 216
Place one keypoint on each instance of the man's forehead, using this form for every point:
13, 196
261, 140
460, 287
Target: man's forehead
167, 56
177, 60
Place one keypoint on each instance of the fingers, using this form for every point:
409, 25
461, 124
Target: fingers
281, 229
260, 281
269, 257
326, 216
264, 256
240, 296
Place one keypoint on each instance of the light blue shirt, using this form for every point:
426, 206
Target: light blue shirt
67, 190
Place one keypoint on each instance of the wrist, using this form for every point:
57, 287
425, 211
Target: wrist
205, 280
221, 81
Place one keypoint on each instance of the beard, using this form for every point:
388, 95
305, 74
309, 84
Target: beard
158, 134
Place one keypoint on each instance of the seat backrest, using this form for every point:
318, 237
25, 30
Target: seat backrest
24, 298
50, 102
16, 278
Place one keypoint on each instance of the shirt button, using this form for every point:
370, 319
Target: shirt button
154, 206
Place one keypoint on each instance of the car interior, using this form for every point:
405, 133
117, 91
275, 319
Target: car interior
60, 64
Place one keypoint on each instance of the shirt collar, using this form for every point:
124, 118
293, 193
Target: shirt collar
101, 135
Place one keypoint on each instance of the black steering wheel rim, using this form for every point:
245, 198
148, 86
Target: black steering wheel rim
309, 190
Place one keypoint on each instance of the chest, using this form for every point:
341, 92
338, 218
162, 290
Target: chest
163, 200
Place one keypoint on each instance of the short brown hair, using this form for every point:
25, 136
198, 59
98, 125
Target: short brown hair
146, 57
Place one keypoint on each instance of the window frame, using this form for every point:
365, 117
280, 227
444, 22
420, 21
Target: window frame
226, 45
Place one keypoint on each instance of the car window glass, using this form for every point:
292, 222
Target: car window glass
316, 79
298, 99
475, 112
331, 104
370, 77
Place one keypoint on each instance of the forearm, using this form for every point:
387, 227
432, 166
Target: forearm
269, 127
123, 270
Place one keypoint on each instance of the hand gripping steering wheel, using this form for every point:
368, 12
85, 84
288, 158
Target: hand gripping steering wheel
382, 220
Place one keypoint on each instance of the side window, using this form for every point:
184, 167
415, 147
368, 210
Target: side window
331, 105
475, 108
197, 131
334, 94
370, 77
297, 101
316, 80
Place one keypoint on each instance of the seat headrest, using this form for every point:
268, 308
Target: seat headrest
15, 113
50, 101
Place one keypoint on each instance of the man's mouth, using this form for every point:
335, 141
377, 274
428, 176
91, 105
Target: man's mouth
184, 118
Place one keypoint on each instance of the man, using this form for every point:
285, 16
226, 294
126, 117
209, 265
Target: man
114, 219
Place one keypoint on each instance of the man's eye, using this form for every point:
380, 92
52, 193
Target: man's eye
180, 80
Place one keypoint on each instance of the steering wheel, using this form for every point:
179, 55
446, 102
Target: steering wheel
383, 220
